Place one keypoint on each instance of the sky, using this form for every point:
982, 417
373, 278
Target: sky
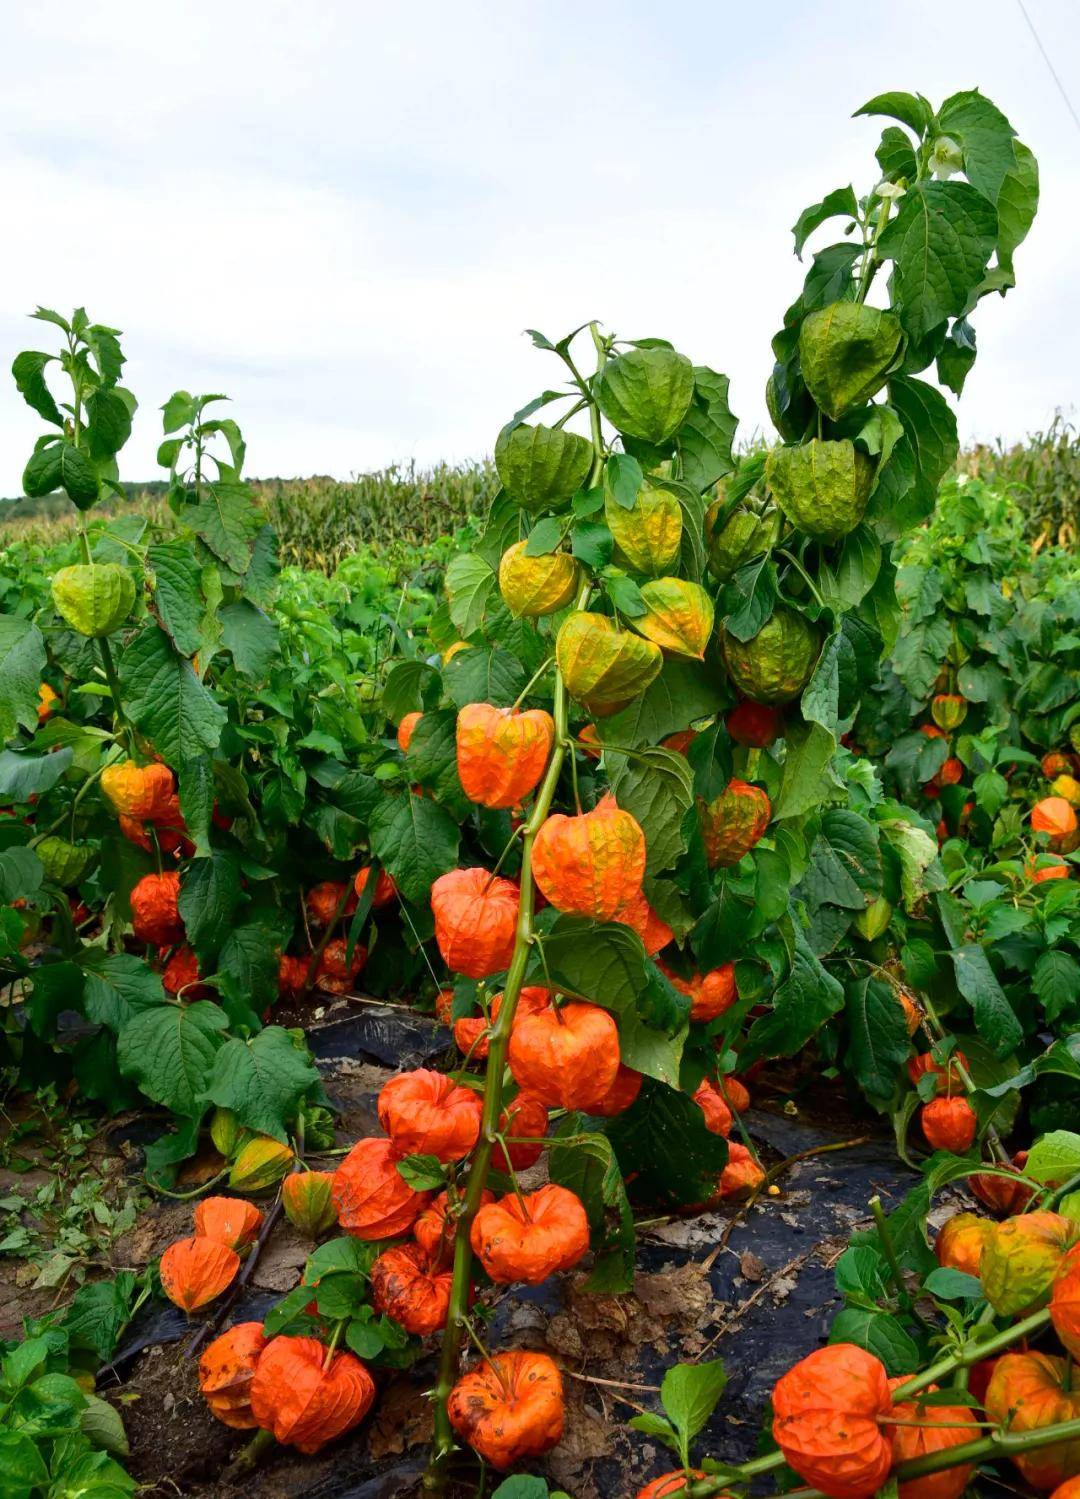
343, 215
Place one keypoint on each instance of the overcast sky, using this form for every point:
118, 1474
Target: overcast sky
344, 214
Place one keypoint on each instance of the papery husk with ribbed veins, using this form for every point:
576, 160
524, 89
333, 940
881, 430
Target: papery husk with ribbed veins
534, 586
822, 487
679, 616
750, 530
649, 536
542, 467
602, 665
776, 664
846, 352
646, 393
94, 598
64, 863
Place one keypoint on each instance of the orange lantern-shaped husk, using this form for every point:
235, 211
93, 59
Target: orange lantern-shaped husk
323, 901
733, 822
947, 1073
640, 917
1001, 1195
292, 975
155, 911
961, 1241
372, 1198
501, 752
948, 1124
1054, 816
742, 1173
592, 864
530, 1237
194, 1271
671, 1485
226, 1369
230, 1220
385, 889
509, 1409
435, 1230
567, 1058
303, 1404
470, 1032
476, 916
137, 791
1065, 1303
735, 1094
936, 1428
1029, 1391
406, 1286
712, 1105
406, 729
337, 973
710, 993
426, 1113
825, 1421
181, 975
527, 1118
620, 1096
1021, 1259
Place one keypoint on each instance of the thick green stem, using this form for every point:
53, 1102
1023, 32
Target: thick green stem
499, 1041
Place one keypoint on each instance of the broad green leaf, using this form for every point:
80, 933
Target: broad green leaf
22, 1467
404, 689
178, 593
169, 1051
23, 774
166, 701
21, 874
484, 676
879, 1333
920, 873
29, 372
210, 894
98, 1314
228, 520
801, 1005
682, 693
940, 241
261, 1080
1056, 980
689, 1393
1054, 1158
22, 665
590, 1171
985, 136
1017, 202
662, 1144
469, 583
657, 788
247, 963
911, 110
117, 987
807, 779
251, 637
432, 759
840, 203
705, 438
995, 1018
877, 1035
416, 841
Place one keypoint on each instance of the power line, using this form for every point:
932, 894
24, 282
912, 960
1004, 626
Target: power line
1049, 64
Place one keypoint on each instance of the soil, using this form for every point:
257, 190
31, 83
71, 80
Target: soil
754, 1288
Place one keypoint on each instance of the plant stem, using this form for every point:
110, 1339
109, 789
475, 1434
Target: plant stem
896, 1274
499, 1041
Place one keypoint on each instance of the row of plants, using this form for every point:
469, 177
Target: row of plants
634, 705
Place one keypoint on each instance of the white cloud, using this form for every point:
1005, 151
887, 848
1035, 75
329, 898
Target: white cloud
344, 216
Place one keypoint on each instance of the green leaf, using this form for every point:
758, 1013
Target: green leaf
469, 583
228, 520
1054, 1158
22, 1467
952, 1285
877, 1036
807, 779
662, 1145
101, 1424
749, 598
247, 963
482, 676
845, 863
821, 697
941, 241
178, 593
21, 874
855, 572
881, 1334
108, 423
995, 1018
911, 110
431, 759
1017, 202
1056, 980
708, 431
592, 544
424, 1173
416, 841
170, 1052
657, 788
545, 537
251, 637
98, 1314
920, 873
683, 692
895, 155
24, 775
985, 136
22, 665
590, 1171
840, 203
801, 1005
165, 699
930, 448
623, 478
29, 372
77, 476
403, 691
117, 987
689, 1394
42, 473
209, 896
261, 1080
521, 1486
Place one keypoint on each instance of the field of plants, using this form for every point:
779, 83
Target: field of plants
559, 976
